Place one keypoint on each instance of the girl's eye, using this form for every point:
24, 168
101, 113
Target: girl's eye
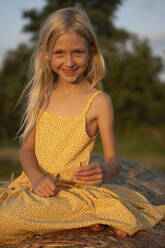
78, 52
59, 52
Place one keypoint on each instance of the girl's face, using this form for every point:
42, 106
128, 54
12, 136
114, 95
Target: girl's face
70, 57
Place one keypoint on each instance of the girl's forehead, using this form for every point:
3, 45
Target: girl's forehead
70, 38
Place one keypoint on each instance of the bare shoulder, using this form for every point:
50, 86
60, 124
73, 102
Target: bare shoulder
103, 104
103, 97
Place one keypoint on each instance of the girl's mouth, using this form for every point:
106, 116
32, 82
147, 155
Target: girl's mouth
70, 72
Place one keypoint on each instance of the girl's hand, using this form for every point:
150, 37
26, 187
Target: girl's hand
91, 174
44, 187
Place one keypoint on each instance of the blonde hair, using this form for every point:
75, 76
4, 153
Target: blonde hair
42, 78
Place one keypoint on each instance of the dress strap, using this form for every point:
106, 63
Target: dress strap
89, 102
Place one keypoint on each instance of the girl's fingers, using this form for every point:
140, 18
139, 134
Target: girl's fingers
89, 170
91, 174
91, 179
45, 188
88, 167
98, 178
41, 193
88, 174
44, 192
48, 182
50, 186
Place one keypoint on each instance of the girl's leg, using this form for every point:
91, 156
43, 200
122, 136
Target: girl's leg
100, 227
120, 233
97, 227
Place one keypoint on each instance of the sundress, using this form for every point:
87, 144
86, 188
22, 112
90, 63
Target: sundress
61, 146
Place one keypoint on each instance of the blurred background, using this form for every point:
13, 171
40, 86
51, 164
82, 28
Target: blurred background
132, 37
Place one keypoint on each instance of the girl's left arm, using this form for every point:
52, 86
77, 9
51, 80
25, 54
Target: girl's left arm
95, 173
105, 117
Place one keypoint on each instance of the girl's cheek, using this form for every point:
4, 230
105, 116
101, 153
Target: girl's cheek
57, 64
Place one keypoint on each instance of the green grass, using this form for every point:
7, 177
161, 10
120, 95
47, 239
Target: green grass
9, 144
139, 142
145, 145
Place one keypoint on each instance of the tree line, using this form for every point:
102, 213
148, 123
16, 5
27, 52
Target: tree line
132, 70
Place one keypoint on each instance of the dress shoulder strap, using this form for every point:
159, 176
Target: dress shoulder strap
89, 102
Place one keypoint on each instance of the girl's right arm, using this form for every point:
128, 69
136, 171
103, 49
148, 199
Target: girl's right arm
42, 185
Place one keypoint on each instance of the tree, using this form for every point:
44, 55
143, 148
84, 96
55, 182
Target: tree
134, 84
13, 77
101, 13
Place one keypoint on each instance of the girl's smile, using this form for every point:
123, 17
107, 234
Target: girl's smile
70, 57
71, 72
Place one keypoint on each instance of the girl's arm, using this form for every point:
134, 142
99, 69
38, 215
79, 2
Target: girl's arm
42, 185
95, 173
28, 159
105, 125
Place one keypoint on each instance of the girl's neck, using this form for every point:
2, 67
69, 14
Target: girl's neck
67, 87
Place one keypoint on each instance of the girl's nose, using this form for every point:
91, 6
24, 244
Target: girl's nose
69, 61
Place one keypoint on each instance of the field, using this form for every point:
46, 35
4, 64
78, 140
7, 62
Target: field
146, 146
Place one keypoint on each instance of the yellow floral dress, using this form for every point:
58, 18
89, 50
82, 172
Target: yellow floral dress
61, 145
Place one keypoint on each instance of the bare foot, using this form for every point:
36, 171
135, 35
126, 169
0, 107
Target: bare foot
97, 227
101, 227
120, 233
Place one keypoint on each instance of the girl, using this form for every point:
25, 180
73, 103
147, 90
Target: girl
65, 110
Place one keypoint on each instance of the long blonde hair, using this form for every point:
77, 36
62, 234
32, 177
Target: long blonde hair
42, 78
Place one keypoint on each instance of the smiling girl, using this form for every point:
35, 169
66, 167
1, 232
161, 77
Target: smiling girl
66, 109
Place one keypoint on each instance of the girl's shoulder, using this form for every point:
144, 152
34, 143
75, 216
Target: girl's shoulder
102, 103
102, 98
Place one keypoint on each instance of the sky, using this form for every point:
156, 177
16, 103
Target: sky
143, 17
